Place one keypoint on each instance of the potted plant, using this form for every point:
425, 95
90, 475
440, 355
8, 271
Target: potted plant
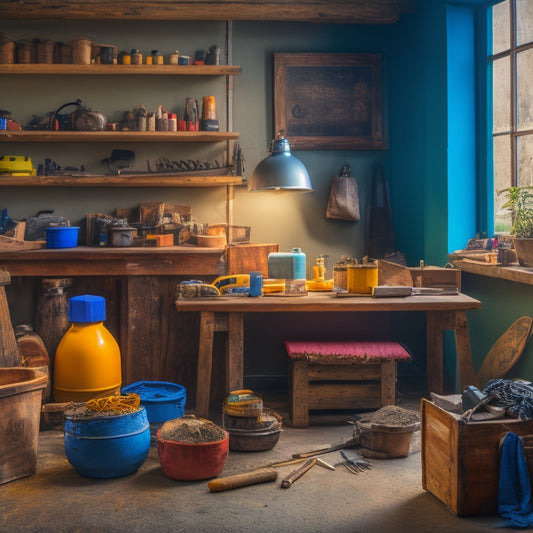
520, 202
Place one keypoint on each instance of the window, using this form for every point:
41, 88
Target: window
511, 61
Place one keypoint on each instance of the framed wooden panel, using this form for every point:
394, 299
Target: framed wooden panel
329, 101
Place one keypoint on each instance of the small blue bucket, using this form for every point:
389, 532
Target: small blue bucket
163, 400
62, 236
107, 446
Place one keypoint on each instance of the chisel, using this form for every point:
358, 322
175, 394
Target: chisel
297, 474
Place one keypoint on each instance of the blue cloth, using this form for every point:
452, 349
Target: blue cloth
514, 490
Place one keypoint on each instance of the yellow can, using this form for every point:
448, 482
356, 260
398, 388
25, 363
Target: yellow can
361, 279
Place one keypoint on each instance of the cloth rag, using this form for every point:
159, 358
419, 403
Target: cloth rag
514, 490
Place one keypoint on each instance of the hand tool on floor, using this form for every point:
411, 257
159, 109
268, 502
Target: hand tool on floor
243, 480
298, 473
350, 443
354, 463
319, 462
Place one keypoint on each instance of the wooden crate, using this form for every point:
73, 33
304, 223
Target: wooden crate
461, 462
431, 276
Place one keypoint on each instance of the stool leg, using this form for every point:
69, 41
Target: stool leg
298, 393
388, 382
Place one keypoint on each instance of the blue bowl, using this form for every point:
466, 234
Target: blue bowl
163, 400
62, 236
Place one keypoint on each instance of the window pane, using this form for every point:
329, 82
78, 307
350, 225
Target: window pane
501, 93
502, 180
524, 148
524, 21
500, 27
524, 65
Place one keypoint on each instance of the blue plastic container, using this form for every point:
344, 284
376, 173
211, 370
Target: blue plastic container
107, 446
283, 265
62, 236
163, 400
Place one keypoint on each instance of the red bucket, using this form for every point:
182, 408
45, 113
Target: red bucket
186, 461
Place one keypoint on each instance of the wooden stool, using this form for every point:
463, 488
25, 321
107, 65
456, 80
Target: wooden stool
341, 375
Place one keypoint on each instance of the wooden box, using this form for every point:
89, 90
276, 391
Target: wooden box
431, 276
460, 461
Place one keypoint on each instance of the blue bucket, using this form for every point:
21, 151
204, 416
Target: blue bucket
163, 400
107, 446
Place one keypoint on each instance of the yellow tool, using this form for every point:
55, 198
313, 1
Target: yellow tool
223, 283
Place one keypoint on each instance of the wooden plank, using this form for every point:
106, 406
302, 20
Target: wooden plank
347, 372
235, 353
8, 244
205, 363
141, 346
114, 70
298, 394
9, 351
363, 395
107, 261
336, 11
246, 258
124, 180
116, 136
388, 382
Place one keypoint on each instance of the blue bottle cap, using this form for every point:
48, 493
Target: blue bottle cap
86, 308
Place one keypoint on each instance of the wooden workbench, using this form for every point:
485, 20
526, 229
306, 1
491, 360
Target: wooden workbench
139, 285
225, 313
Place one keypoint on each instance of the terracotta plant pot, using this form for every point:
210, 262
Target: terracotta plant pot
185, 461
524, 251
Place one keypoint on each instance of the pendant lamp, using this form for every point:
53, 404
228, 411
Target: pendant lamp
280, 170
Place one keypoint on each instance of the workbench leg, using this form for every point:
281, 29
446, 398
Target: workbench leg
205, 363
299, 393
464, 352
388, 382
235, 353
436, 324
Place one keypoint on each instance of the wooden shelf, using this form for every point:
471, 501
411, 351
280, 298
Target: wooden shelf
337, 11
116, 136
125, 180
118, 70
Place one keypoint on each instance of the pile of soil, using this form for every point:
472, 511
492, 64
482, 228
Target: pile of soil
390, 415
191, 430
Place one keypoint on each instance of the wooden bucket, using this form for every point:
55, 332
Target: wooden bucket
20, 404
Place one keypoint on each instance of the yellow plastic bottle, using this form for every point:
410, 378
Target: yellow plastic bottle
87, 361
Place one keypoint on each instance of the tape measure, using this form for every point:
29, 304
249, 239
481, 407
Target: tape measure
223, 283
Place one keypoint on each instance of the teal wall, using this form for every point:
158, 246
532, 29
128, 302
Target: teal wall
416, 164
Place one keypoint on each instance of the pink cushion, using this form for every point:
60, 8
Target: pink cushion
365, 351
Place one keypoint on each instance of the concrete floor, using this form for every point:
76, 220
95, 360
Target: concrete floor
389, 497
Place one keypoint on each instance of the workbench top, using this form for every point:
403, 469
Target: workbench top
327, 301
119, 261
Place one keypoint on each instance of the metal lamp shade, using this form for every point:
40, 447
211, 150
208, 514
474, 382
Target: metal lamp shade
280, 171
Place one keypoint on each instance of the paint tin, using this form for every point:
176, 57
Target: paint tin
361, 279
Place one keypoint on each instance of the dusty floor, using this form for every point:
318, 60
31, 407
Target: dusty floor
389, 497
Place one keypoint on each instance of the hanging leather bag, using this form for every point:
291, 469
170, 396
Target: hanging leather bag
343, 202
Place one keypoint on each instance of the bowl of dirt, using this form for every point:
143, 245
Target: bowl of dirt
192, 449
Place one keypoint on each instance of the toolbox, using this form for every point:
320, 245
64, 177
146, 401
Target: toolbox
16, 165
461, 461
